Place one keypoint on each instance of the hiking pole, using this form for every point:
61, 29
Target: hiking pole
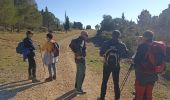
42, 58
126, 77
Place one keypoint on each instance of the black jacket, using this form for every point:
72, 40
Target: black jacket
29, 44
78, 46
141, 76
120, 46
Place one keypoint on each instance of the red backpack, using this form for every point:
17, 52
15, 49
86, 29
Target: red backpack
168, 54
156, 56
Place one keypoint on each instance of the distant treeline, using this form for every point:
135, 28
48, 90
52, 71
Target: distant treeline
160, 25
17, 15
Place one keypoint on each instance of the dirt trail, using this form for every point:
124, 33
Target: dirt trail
66, 71
54, 89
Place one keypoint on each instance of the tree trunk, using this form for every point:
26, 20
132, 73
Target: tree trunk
12, 28
5, 27
48, 26
18, 28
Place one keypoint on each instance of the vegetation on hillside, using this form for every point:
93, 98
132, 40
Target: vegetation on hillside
17, 15
129, 29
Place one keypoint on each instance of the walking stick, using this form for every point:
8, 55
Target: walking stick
42, 58
126, 77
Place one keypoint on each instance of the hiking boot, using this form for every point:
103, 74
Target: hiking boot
34, 80
49, 79
99, 98
81, 92
30, 78
54, 77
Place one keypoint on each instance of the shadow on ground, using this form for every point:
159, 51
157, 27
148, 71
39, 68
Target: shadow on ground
68, 95
9, 90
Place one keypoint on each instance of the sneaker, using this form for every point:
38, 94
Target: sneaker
54, 77
81, 92
49, 79
34, 80
99, 98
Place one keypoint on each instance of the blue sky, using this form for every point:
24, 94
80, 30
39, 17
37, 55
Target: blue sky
90, 12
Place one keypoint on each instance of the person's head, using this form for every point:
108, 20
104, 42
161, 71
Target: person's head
49, 36
116, 35
84, 35
29, 34
148, 35
139, 40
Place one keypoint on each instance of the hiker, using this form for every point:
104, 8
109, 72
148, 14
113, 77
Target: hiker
50, 58
139, 40
145, 78
78, 46
31, 61
112, 50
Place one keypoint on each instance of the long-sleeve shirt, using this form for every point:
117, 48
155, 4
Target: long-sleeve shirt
118, 45
79, 49
29, 44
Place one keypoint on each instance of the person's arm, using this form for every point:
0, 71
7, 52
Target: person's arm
80, 47
72, 45
140, 54
124, 52
103, 49
28, 43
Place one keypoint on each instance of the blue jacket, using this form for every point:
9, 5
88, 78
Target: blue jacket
29, 45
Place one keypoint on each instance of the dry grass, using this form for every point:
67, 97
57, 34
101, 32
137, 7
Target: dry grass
12, 67
161, 92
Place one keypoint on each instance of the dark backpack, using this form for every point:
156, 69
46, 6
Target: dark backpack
20, 48
73, 45
156, 57
111, 57
56, 49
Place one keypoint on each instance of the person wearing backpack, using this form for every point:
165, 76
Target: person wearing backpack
112, 50
50, 58
78, 46
145, 72
28, 43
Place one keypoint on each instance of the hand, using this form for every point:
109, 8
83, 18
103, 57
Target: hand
79, 57
130, 61
103, 60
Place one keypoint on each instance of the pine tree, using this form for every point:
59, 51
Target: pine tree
49, 20
123, 16
28, 15
67, 23
7, 13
